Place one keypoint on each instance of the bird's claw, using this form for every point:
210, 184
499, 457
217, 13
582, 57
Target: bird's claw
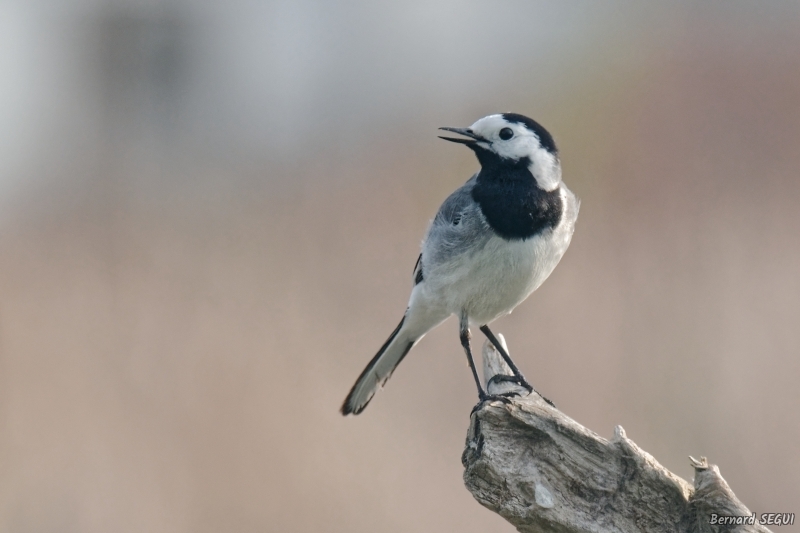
483, 398
546, 399
519, 380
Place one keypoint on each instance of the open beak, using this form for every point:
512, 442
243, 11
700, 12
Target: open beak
466, 132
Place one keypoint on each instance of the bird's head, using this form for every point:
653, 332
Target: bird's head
509, 139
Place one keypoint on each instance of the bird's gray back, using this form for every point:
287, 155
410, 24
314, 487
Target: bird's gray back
469, 269
458, 228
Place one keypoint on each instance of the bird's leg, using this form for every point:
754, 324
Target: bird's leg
464, 334
517, 377
482, 395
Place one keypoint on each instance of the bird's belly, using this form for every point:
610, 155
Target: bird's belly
492, 281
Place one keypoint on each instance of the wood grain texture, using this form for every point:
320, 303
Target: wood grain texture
544, 472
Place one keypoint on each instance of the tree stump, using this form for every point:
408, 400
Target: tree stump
544, 472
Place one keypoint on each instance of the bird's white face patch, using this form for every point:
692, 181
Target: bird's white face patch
524, 143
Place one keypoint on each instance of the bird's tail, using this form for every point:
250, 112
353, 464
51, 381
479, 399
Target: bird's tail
379, 369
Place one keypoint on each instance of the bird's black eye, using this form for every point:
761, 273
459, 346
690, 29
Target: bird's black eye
506, 134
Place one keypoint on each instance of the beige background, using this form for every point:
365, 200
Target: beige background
210, 216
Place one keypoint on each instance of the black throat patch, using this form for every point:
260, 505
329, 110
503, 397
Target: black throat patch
513, 204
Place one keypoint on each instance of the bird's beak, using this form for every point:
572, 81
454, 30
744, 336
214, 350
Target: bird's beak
466, 132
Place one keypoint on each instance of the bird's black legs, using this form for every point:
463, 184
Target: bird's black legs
507, 358
464, 334
518, 377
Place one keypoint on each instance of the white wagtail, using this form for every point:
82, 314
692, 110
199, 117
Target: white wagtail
493, 242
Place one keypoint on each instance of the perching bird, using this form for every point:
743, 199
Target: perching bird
493, 242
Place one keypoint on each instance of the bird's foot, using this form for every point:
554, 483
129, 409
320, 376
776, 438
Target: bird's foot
504, 378
483, 398
519, 380
546, 399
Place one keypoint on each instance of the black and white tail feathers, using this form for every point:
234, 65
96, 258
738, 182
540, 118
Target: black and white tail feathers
378, 370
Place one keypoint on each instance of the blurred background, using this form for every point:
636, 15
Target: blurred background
209, 215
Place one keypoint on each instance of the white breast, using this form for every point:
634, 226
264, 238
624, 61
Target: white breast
493, 280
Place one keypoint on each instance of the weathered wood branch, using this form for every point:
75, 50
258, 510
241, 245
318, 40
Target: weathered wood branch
544, 472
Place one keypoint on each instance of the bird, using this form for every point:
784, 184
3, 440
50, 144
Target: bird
493, 242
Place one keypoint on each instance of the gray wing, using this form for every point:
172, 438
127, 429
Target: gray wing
458, 228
